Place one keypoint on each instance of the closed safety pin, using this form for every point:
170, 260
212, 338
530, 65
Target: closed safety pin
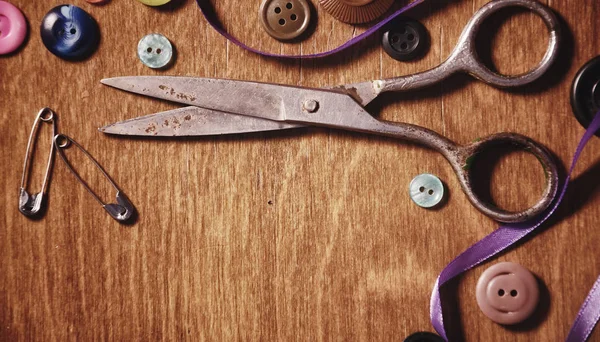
30, 205
121, 211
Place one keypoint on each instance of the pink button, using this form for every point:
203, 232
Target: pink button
507, 293
13, 28
96, 2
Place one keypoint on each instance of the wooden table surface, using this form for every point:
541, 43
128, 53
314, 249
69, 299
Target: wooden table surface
300, 235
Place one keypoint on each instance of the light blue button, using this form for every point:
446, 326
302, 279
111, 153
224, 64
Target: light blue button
155, 51
426, 190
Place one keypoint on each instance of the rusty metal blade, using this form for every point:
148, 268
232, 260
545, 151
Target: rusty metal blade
193, 121
237, 97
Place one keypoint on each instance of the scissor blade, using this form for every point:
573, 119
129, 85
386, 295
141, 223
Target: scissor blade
321, 107
193, 121
237, 97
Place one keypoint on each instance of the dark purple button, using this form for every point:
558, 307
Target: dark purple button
585, 93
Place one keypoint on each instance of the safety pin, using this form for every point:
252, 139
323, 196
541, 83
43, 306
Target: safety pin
121, 211
30, 205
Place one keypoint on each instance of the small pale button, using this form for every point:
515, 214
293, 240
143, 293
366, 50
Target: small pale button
155, 51
154, 2
285, 19
426, 190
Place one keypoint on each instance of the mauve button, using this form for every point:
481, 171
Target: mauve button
507, 293
13, 28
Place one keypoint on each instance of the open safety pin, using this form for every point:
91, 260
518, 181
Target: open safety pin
30, 205
123, 210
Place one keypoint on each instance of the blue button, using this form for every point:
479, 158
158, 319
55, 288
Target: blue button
70, 32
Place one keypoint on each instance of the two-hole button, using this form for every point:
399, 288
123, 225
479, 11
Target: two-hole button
426, 190
285, 19
155, 51
507, 293
69, 32
13, 28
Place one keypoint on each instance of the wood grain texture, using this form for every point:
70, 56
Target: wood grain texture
300, 235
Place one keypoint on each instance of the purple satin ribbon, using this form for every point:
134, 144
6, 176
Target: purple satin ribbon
212, 19
504, 237
588, 316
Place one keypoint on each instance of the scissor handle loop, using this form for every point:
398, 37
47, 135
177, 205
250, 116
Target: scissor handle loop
465, 169
465, 56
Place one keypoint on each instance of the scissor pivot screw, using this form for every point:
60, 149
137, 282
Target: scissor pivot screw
311, 106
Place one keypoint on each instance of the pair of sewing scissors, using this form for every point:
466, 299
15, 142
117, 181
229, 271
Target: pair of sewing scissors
221, 106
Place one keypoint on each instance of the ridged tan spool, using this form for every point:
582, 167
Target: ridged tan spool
356, 11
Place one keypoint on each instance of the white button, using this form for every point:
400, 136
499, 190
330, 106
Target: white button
426, 190
155, 51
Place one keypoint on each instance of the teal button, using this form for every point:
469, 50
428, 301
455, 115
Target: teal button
426, 190
155, 51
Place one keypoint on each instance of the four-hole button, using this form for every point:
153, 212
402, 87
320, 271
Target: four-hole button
285, 19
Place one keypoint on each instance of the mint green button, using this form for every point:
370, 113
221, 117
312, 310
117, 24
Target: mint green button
155, 51
426, 190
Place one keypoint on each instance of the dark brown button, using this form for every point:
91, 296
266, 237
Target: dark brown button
285, 19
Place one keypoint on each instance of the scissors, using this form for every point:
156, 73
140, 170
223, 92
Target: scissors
221, 106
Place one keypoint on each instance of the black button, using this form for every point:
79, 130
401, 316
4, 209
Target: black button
405, 39
585, 93
424, 337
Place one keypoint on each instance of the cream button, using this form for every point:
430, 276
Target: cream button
284, 19
426, 190
154, 2
507, 293
155, 51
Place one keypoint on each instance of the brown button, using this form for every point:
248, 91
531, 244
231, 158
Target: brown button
507, 293
357, 2
285, 19
356, 11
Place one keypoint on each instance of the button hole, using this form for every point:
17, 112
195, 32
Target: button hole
404, 46
514, 293
289, 5
158, 51
430, 192
149, 49
73, 31
293, 17
277, 10
411, 37
281, 22
395, 39
501, 293
422, 189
